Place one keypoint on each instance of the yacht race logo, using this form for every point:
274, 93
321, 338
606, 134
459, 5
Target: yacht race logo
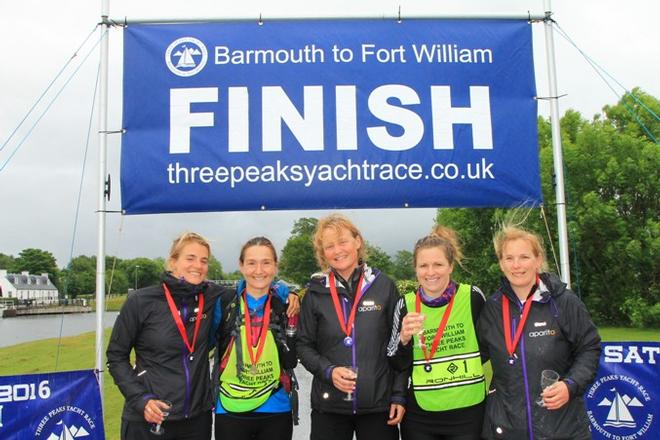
186, 56
66, 423
621, 407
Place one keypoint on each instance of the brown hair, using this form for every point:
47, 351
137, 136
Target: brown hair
181, 241
509, 233
443, 238
337, 222
257, 241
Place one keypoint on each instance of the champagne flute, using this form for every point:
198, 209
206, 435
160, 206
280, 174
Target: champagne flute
548, 378
157, 428
349, 395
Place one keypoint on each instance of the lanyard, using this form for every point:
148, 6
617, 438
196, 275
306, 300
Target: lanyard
265, 322
506, 323
179, 323
441, 327
347, 328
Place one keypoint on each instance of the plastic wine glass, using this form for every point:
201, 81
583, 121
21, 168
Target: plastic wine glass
349, 395
157, 428
548, 378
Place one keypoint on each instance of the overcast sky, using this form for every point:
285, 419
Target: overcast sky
38, 188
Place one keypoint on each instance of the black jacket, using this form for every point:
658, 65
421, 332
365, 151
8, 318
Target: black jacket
558, 335
320, 344
163, 368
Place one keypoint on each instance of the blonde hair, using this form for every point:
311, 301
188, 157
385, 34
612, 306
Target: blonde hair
337, 222
257, 241
509, 232
182, 241
444, 238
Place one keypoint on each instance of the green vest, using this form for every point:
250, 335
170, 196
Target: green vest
456, 379
247, 391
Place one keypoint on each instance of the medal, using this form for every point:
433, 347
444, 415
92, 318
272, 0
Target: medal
511, 340
261, 342
346, 327
176, 315
192, 358
441, 329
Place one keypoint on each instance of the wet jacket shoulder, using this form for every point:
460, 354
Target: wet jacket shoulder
163, 366
557, 335
321, 343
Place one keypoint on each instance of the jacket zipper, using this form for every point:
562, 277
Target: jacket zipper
347, 312
525, 378
186, 369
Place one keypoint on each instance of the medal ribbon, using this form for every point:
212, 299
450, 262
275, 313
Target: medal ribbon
345, 327
177, 318
262, 334
441, 327
506, 320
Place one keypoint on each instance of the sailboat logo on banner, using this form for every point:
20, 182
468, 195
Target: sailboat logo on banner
621, 407
186, 56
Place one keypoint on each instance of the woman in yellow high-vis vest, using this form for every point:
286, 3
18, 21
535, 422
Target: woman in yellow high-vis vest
434, 337
257, 354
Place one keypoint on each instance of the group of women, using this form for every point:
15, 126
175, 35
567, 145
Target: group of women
379, 360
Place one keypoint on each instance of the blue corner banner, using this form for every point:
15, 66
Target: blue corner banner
623, 402
51, 406
314, 114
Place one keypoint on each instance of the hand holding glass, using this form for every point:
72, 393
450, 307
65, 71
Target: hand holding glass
349, 395
548, 378
156, 428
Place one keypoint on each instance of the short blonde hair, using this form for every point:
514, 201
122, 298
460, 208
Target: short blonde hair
337, 222
509, 233
181, 241
444, 238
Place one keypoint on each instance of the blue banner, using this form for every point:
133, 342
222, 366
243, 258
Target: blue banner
622, 404
51, 406
329, 114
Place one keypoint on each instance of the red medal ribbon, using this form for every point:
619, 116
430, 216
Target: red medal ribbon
506, 320
345, 327
179, 323
441, 327
265, 322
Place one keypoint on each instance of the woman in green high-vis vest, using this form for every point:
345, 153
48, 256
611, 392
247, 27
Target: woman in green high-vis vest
434, 336
256, 353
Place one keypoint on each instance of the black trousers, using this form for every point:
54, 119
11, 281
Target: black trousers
196, 428
254, 426
330, 426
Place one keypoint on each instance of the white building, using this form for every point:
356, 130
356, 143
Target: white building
37, 289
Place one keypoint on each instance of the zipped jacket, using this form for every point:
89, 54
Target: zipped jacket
558, 335
321, 344
164, 368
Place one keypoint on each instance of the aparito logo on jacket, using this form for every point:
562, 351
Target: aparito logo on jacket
369, 306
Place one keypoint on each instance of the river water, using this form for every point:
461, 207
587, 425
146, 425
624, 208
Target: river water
32, 328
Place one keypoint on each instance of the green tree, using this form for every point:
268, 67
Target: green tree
6, 261
79, 278
611, 169
37, 261
402, 266
141, 272
215, 269
378, 258
297, 261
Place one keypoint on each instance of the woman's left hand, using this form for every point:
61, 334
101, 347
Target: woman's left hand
294, 305
555, 396
396, 414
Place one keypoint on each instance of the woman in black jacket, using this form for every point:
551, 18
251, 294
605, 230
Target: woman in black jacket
167, 326
534, 323
345, 325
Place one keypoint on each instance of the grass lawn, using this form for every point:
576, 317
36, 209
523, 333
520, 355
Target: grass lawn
77, 353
